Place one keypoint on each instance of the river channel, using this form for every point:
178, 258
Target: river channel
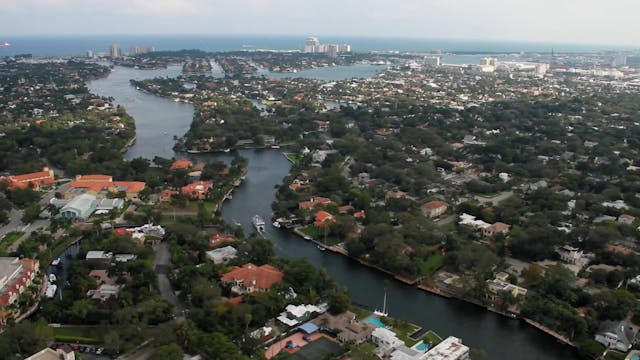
159, 119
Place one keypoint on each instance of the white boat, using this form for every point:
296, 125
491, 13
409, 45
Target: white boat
321, 248
55, 262
50, 292
276, 224
52, 278
384, 312
258, 223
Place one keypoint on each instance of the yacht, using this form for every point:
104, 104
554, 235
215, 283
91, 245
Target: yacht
258, 223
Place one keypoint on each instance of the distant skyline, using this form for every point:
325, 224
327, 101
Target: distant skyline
610, 22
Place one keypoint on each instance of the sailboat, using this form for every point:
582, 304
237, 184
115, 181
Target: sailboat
384, 307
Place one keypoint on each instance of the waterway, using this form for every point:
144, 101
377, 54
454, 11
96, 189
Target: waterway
500, 337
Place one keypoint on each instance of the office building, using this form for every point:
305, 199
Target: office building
114, 51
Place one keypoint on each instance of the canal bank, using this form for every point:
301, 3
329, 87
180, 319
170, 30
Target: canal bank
502, 338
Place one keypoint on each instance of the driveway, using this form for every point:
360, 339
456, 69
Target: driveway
161, 262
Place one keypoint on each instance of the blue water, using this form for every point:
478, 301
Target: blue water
78, 45
375, 322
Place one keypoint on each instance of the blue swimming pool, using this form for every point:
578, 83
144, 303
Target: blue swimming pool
422, 346
375, 322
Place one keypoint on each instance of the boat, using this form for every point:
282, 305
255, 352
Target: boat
384, 312
50, 291
276, 224
52, 278
321, 247
258, 223
55, 262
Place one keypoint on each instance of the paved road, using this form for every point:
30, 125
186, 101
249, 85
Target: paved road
494, 200
14, 224
161, 262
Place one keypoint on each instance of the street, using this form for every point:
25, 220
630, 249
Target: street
161, 268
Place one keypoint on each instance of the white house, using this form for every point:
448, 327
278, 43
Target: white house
386, 340
222, 255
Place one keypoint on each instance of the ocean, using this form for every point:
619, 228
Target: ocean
79, 45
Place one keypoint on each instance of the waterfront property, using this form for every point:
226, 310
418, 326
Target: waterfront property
250, 278
616, 335
16, 275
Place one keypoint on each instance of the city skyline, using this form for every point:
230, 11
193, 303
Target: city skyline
570, 21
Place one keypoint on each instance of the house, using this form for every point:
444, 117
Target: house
100, 259
616, 335
296, 314
495, 229
470, 220
167, 194
498, 287
222, 255
570, 254
313, 203
321, 218
434, 209
61, 353
403, 352
250, 278
347, 328
16, 275
626, 219
618, 205
386, 340
32, 180
197, 190
181, 164
102, 186
104, 294
450, 348
218, 239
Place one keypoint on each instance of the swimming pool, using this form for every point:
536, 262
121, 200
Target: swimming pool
422, 346
375, 322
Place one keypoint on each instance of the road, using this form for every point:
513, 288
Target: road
161, 262
496, 200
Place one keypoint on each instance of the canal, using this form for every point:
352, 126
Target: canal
500, 337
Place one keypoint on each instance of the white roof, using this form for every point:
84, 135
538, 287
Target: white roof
98, 255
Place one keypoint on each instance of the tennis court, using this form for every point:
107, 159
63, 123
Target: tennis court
318, 349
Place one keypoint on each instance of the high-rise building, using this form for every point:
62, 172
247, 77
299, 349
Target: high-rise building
332, 50
313, 45
137, 50
114, 51
432, 60
90, 54
488, 61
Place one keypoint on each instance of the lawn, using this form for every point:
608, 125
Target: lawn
293, 157
9, 239
318, 235
433, 263
77, 334
431, 338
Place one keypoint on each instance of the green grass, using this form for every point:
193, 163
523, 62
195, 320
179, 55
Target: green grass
431, 338
614, 355
433, 263
8, 240
79, 334
293, 157
318, 234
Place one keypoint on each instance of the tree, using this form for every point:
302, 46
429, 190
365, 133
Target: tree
363, 351
339, 302
168, 352
81, 308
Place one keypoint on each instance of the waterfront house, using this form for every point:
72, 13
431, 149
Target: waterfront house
450, 348
386, 341
182, 164
348, 330
434, 209
314, 202
322, 218
616, 335
197, 190
218, 239
498, 287
296, 314
250, 278
222, 255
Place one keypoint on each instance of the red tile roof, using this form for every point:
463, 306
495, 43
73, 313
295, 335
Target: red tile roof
181, 164
261, 277
94, 177
196, 190
432, 205
35, 179
220, 238
322, 217
313, 202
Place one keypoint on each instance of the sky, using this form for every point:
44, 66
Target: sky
609, 22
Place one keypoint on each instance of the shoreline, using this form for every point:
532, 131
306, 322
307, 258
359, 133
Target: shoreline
435, 291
